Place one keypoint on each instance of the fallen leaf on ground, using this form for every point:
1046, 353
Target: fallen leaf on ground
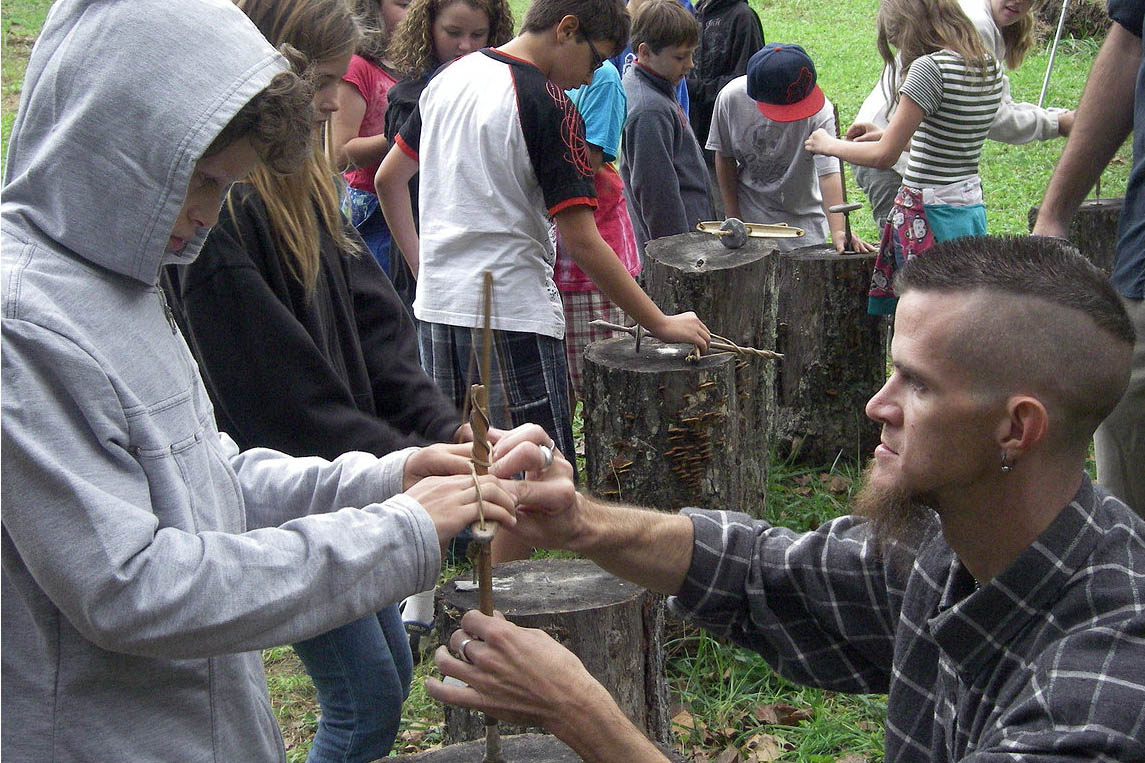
782, 714
684, 720
729, 755
763, 747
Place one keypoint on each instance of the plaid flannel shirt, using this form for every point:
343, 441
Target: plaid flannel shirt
1046, 662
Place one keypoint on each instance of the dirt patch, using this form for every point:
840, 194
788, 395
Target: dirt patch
17, 48
1085, 20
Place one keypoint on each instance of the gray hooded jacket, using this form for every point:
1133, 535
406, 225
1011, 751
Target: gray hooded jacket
144, 557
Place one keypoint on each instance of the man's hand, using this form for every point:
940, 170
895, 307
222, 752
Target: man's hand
1065, 123
686, 328
1104, 119
464, 433
452, 503
522, 675
549, 501
519, 675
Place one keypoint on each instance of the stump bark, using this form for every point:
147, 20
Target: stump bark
834, 355
615, 627
660, 431
530, 748
1093, 230
728, 289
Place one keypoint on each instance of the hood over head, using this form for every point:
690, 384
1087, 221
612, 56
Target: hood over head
121, 98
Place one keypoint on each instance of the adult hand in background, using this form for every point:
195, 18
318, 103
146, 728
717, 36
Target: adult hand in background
548, 497
522, 675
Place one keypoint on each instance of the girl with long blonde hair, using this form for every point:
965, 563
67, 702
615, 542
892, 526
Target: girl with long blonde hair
947, 92
305, 348
1006, 28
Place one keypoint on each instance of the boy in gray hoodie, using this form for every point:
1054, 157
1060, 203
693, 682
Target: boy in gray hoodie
146, 559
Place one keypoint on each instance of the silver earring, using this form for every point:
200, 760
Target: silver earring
1006, 466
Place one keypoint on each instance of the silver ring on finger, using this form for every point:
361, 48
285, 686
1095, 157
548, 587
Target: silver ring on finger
547, 452
461, 649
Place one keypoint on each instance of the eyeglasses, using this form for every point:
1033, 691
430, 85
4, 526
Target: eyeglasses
597, 61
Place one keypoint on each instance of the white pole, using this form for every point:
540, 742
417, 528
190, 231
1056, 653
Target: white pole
1053, 52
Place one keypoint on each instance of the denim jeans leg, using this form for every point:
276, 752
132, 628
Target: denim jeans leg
362, 675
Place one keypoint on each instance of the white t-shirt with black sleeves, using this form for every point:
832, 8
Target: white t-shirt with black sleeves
501, 150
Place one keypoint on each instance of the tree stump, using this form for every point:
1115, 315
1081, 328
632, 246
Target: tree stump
660, 431
727, 288
834, 355
615, 627
1093, 230
533, 748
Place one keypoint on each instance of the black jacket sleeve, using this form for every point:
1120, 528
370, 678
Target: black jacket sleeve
404, 396
294, 372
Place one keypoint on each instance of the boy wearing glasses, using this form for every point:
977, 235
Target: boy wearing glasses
502, 155
665, 177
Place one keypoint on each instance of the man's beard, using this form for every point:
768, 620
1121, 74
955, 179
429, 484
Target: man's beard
898, 519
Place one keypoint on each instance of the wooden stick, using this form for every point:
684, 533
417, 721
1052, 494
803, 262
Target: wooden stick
483, 531
479, 419
717, 343
848, 240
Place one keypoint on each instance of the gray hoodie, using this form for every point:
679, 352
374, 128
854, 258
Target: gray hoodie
144, 557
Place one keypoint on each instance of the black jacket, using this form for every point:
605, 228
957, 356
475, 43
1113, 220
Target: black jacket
320, 376
730, 34
401, 101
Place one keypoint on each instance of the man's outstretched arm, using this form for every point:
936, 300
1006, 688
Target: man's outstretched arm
650, 548
1104, 118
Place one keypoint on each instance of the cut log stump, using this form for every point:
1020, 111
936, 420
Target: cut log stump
1093, 230
661, 431
728, 290
519, 748
834, 355
615, 627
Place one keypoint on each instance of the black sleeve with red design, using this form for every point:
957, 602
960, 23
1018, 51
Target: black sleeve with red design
409, 136
554, 135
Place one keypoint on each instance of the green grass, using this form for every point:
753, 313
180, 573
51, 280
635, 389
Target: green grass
21, 21
728, 697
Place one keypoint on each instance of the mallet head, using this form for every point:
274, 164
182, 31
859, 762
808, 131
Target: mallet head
733, 233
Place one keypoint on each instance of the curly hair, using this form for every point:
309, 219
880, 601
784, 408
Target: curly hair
411, 48
278, 121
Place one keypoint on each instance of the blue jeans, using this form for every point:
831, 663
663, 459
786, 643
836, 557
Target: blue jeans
362, 672
366, 216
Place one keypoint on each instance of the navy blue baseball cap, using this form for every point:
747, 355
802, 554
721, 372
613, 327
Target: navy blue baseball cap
781, 80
